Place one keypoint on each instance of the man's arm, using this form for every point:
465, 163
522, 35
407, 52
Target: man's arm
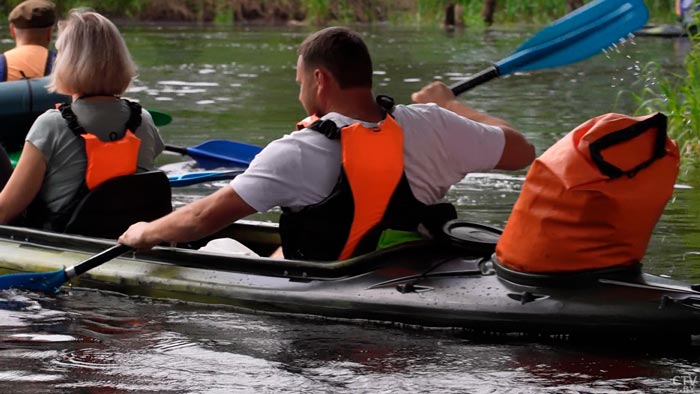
191, 222
518, 152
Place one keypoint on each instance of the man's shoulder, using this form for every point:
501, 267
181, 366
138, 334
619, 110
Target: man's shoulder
27, 49
419, 116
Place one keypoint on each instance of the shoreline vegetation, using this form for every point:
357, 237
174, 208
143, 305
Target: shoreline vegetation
677, 95
322, 12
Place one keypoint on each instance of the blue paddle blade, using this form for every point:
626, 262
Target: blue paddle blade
193, 178
223, 153
44, 282
577, 35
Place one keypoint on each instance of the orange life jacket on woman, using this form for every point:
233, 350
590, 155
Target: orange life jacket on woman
593, 198
105, 160
108, 159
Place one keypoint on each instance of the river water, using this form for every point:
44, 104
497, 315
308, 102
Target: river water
238, 83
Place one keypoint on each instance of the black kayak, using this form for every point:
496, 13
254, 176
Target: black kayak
451, 283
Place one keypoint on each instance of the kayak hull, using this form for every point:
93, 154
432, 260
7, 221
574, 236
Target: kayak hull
419, 284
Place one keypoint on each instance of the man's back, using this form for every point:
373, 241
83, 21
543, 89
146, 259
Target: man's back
26, 61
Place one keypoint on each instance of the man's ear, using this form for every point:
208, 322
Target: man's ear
12, 32
319, 79
323, 79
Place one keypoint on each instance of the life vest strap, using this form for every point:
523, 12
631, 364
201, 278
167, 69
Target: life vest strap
3, 67
50, 57
71, 119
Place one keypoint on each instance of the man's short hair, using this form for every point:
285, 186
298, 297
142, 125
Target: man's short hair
342, 52
33, 14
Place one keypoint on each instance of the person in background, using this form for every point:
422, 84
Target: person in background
68, 151
31, 26
686, 11
340, 196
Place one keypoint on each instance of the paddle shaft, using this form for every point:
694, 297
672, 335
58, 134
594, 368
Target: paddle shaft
177, 149
97, 260
476, 80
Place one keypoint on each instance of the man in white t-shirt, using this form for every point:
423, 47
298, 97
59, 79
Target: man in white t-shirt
305, 170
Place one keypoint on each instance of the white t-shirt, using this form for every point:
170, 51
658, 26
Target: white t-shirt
440, 149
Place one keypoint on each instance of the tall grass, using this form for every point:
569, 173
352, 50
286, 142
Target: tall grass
531, 11
678, 96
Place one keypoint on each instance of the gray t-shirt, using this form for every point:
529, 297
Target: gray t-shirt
440, 148
64, 152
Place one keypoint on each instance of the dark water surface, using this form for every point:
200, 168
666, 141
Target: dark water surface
238, 84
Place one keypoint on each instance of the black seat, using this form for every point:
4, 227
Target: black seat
109, 209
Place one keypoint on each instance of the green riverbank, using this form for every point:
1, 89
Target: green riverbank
329, 11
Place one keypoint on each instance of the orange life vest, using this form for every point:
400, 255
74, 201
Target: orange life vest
346, 223
593, 198
306, 122
21, 63
108, 159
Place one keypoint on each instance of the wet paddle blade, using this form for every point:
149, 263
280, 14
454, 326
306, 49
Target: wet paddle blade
219, 153
578, 35
44, 282
194, 178
50, 282
572, 38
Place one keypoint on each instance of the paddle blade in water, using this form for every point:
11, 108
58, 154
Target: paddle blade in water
44, 282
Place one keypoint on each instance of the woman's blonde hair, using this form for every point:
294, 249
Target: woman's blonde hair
92, 56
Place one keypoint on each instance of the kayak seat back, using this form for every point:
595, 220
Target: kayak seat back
577, 279
109, 209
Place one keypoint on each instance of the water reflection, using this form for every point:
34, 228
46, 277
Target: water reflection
128, 344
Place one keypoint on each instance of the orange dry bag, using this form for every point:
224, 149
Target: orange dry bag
593, 198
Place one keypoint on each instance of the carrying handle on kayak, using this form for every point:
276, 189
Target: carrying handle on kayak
655, 123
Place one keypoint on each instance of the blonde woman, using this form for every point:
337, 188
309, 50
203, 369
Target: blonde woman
66, 149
